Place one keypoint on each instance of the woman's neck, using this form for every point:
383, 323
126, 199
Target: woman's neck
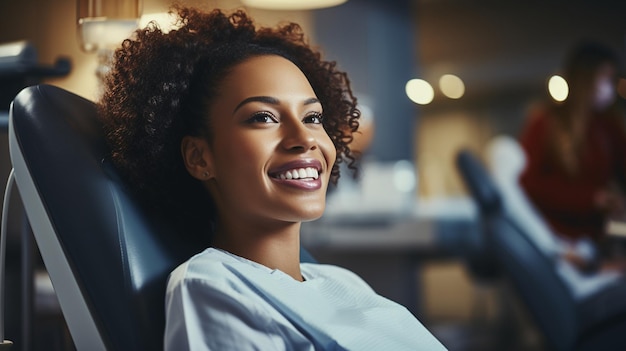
276, 246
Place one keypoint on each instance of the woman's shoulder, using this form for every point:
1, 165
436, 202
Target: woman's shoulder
220, 270
211, 267
540, 119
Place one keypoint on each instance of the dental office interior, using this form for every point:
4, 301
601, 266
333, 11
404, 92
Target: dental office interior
433, 78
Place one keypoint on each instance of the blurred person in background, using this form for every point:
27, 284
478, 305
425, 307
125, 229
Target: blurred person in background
576, 155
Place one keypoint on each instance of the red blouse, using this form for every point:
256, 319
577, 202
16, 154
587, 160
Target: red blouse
567, 202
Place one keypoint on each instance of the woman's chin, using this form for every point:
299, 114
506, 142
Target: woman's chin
311, 213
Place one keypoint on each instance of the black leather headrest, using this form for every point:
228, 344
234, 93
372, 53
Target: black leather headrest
479, 182
120, 254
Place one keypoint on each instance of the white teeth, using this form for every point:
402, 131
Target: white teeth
311, 173
300, 173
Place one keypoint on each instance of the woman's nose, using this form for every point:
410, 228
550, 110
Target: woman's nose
298, 137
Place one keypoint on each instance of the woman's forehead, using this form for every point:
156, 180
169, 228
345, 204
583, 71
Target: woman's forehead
267, 75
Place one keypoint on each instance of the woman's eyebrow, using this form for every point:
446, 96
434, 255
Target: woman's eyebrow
311, 101
265, 99
271, 100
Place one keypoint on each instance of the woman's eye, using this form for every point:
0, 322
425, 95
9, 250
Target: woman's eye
315, 118
262, 117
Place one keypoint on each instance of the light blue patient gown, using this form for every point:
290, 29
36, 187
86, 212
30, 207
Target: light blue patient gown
219, 301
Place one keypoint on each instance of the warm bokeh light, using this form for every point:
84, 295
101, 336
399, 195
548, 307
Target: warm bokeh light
451, 86
558, 88
419, 91
621, 88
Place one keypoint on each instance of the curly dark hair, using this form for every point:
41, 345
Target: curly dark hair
161, 84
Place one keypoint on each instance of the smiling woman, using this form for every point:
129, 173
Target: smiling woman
238, 130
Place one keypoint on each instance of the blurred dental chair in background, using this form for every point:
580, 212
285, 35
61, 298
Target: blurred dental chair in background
507, 160
567, 320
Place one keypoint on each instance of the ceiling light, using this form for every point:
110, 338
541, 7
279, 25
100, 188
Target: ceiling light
291, 4
451, 86
419, 91
104, 25
558, 88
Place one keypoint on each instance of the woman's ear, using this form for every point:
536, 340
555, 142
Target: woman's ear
197, 157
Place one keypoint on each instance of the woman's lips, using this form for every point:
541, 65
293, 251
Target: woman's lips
303, 184
301, 174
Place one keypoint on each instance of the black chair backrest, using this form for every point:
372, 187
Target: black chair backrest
484, 192
479, 257
533, 274
119, 254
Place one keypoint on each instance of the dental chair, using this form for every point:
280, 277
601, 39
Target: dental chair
595, 322
108, 258
507, 161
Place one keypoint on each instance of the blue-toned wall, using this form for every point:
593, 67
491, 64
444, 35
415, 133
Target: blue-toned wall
374, 41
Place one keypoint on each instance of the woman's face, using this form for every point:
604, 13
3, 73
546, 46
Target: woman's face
270, 157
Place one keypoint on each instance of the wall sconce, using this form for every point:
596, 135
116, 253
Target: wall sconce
104, 24
291, 4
